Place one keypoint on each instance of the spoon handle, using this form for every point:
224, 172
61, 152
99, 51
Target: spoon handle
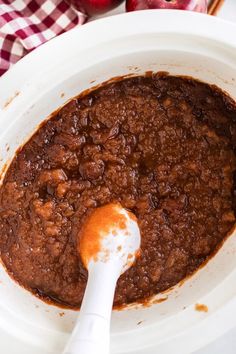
91, 334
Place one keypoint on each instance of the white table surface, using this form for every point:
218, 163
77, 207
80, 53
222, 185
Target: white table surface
227, 343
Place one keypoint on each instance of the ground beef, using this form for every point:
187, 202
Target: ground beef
162, 146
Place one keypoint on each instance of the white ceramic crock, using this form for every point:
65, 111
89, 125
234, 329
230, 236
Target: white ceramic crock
180, 43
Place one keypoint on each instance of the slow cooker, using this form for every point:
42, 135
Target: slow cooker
177, 42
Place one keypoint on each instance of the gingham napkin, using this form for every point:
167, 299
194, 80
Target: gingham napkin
25, 24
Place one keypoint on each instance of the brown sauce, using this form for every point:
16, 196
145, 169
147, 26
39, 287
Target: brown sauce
162, 146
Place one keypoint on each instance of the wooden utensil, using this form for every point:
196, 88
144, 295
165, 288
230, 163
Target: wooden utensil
214, 7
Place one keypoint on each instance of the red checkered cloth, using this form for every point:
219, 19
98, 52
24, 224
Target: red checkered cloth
25, 24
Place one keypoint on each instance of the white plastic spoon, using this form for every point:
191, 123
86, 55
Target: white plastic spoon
108, 245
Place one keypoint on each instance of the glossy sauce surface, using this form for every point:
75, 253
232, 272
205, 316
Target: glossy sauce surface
162, 146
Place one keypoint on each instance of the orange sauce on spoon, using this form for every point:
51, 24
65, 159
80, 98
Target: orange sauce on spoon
100, 223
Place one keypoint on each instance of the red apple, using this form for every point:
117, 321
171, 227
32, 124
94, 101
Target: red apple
192, 5
94, 7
